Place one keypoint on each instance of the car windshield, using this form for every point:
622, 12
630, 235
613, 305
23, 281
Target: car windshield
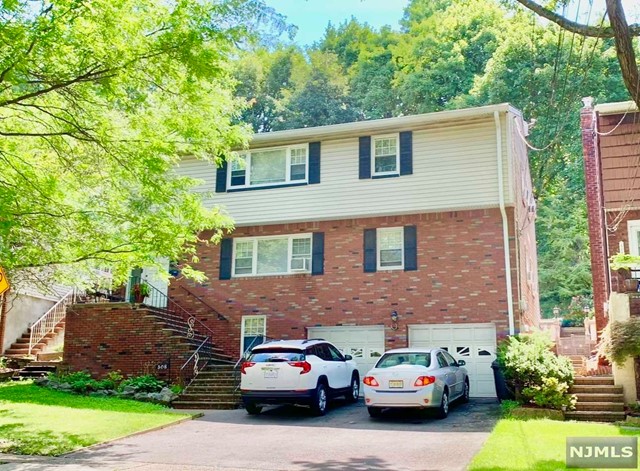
389, 360
276, 354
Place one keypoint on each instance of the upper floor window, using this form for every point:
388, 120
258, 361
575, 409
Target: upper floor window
390, 248
385, 155
273, 255
265, 167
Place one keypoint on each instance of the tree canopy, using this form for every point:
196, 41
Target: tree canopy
98, 101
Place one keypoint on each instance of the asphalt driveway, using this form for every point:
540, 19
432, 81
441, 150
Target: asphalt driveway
288, 438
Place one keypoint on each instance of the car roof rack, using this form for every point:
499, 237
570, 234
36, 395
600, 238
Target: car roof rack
311, 340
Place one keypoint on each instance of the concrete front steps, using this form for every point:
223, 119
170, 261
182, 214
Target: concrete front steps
216, 387
36, 369
599, 400
20, 348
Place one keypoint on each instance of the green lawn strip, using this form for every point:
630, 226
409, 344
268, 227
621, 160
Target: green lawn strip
535, 444
39, 421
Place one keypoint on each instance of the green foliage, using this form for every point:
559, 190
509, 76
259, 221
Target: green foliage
3, 363
536, 373
144, 383
620, 340
507, 406
80, 382
551, 394
624, 261
176, 389
580, 308
94, 116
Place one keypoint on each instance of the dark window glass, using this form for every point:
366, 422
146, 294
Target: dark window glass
276, 354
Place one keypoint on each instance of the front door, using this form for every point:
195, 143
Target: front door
254, 330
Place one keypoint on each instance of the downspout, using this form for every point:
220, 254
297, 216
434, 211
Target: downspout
505, 223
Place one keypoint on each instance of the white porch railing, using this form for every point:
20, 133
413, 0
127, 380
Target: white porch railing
49, 320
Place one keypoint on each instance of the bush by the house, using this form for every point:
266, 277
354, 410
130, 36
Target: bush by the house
537, 375
142, 388
620, 340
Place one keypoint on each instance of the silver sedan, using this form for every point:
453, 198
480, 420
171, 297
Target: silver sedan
415, 378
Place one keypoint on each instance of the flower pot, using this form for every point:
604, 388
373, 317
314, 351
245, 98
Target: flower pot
631, 285
138, 298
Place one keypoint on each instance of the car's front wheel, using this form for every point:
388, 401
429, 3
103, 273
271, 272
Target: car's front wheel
443, 410
253, 409
354, 392
319, 405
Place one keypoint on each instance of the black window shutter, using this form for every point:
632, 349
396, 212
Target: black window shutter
410, 248
221, 178
317, 253
314, 162
370, 250
365, 157
406, 153
226, 254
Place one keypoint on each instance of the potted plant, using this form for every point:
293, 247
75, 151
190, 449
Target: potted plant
623, 263
140, 291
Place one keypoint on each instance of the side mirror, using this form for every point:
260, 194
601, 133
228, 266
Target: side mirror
348, 357
461, 362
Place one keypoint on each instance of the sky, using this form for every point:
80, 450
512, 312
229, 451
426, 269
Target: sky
312, 16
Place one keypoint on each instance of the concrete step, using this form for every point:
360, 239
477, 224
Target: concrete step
226, 397
600, 406
595, 416
600, 397
602, 380
178, 404
595, 389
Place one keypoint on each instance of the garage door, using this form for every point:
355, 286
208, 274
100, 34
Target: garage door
473, 343
364, 343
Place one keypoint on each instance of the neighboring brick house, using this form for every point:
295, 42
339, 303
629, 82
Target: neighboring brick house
611, 146
341, 228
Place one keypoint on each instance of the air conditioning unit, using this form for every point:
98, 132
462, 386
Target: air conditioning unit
300, 264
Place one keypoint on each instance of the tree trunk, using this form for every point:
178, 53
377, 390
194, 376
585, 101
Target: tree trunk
624, 48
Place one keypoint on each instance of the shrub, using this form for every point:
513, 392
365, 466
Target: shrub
537, 375
576, 314
551, 393
507, 406
620, 340
144, 383
80, 381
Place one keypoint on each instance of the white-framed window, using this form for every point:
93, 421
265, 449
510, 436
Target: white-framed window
633, 228
271, 255
253, 332
273, 166
390, 248
385, 155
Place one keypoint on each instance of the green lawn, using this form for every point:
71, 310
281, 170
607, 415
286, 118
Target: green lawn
536, 444
40, 421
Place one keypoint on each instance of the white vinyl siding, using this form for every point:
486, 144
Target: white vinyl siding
263, 256
454, 168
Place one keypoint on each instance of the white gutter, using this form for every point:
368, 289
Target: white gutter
505, 223
350, 130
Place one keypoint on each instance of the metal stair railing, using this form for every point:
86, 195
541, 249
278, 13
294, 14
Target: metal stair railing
213, 309
49, 320
200, 358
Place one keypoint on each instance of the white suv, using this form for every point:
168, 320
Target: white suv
307, 372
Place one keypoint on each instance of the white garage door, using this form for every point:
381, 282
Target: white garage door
364, 343
473, 343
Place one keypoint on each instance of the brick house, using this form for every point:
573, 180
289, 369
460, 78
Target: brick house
408, 231
611, 147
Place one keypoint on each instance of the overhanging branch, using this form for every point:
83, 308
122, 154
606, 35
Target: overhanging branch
572, 26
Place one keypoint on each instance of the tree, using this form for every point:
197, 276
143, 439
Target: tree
98, 101
618, 28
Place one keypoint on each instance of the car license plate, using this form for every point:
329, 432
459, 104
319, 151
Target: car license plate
396, 383
270, 373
